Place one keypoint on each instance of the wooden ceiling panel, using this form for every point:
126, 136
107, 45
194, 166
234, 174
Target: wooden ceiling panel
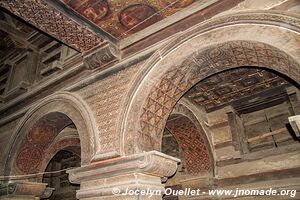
234, 86
121, 18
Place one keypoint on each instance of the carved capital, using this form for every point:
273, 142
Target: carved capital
101, 56
152, 163
136, 172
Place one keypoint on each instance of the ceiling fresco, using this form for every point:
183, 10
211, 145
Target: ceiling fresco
234, 85
38, 138
121, 18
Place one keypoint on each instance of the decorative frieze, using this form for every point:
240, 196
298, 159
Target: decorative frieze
100, 57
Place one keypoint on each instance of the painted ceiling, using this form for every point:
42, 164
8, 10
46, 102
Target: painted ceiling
232, 86
120, 18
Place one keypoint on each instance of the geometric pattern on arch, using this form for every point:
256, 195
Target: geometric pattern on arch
178, 80
194, 151
49, 20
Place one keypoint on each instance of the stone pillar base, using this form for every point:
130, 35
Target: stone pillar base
132, 177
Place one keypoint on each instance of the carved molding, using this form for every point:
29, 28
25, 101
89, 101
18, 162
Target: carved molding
135, 172
44, 17
101, 56
152, 163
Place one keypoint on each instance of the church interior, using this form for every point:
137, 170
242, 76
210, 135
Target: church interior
98, 97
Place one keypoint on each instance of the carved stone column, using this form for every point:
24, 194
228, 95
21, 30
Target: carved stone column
24, 191
112, 179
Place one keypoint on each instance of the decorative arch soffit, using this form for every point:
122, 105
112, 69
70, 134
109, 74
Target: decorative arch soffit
186, 108
192, 138
66, 104
262, 39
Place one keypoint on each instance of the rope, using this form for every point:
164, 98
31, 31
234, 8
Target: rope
34, 175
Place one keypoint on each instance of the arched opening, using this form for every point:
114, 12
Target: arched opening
182, 139
37, 140
59, 121
243, 116
176, 81
159, 92
185, 139
57, 178
50, 145
173, 73
258, 103
199, 53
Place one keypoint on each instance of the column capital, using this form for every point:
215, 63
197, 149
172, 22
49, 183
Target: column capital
152, 163
142, 171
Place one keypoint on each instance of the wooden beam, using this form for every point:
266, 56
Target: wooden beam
45, 18
58, 5
268, 134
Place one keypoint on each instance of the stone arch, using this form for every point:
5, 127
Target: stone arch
192, 139
197, 116
260, 39
54, 112
68, 143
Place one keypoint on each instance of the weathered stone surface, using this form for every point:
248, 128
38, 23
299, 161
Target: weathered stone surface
136, 172
106, 99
